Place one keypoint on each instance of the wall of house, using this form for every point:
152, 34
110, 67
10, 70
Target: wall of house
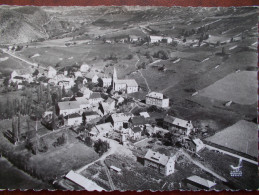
132, 89
159, 168
74, 121
69, 111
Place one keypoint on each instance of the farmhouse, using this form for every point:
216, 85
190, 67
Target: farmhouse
157, 39
68, 107
106, 82
90, 115
137, 121
127, 86
134, 38
95, 98
195, 145
195, 182
74, 119
160, 162
51, 73
107, 107
135, 133
157, 99
173, 123
103, 129
119, 120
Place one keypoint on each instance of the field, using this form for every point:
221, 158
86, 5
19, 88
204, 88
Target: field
249, 178
241, 137
234, 87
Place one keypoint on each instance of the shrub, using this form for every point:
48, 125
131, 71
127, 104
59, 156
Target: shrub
101, 146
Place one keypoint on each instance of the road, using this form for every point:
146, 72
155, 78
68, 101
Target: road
231, 154
107, 171
202, 166
21, 59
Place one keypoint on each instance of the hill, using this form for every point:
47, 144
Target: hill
21, 24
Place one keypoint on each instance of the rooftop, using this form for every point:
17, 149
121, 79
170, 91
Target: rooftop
89, 113
157, 157
136, 129
67, 105
156, 95
138, 120
177, 121
104, 127
121, 117
128, 82
95, 95
145, 114
74, 115
201, 181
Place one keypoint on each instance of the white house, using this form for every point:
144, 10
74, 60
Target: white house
84, 68
107, 107
91, 76
106, 82
86, 92
196, 145
95, 98
91, 115
160, 162
126, 85
68, 107
145, 114
74, 119
135, 133
51, 72
157, 99
118, 119
182, 126
102, 129
156, 39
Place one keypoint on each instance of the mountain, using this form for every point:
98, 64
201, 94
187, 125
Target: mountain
22, 24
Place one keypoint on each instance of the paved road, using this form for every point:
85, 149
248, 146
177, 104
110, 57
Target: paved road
231, 154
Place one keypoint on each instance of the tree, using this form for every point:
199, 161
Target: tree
223, 51
6, 81
63, 91
42, 145
84, 118
89, 141
101, 146
35, 73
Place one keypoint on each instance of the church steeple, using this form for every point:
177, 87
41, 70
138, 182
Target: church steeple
115, 74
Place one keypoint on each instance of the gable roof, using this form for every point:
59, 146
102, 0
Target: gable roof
197, 142
90, 113
156, 95
121, 117
104, 127
138, 120
95, 95
177, 121
201, 181
128, 82
67, 105
145, 114
157, 157
74, 115
136, 129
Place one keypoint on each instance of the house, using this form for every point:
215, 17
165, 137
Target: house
157, 99
95, 98
173, 123
137, 121
51, 72
106, 82
91, 76
78, 74
133, 38
68, 107
107, 107
86, 92
197, 183
67, 83
135, 133
91, 115
163, 39
17, 79
144, 114
83, 103
119, 120
102, 129
160, 162
126, 85
74, 119
84, 68
195, 145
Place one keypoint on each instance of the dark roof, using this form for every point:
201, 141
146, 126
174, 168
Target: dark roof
138, 120
136, 129
89, 113
19, 77
95, 95
74, 115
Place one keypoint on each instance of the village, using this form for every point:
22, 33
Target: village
97, 127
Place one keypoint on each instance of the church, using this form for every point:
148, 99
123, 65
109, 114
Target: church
124, 85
